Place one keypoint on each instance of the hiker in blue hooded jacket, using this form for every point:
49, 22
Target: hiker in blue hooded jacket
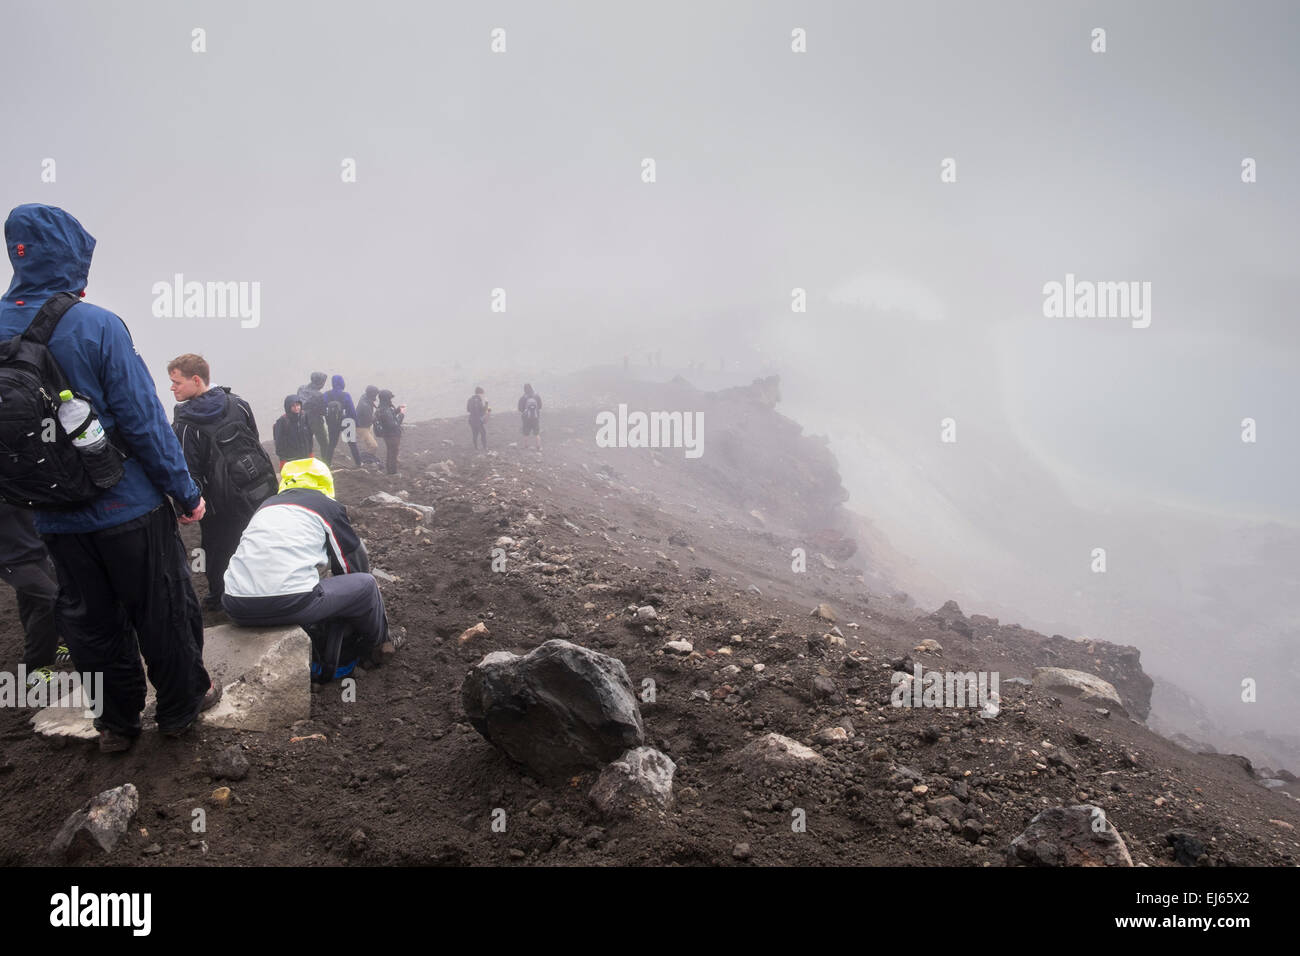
341, 417
121, 566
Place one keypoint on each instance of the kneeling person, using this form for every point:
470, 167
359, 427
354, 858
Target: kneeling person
273, 577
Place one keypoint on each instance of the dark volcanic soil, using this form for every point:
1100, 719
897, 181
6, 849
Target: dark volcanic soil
402, 778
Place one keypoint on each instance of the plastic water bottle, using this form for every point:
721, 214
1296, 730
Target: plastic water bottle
99, 457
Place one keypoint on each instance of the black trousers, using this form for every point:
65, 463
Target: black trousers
37, 594
130, 576
391, 444
324, 451
220, 539
479, 430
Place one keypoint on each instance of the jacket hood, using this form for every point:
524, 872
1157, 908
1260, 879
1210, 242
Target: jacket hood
289, 402
317, 379
49, 250
307, 473
371, 391
204, 409
337, 382
385, 396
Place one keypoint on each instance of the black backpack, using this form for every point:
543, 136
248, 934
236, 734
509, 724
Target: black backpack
241, 475
532, 407
40, 468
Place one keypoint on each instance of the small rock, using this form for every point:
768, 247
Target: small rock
230, 764
220, 797
825, 612
478, 630
100, 824
741, 851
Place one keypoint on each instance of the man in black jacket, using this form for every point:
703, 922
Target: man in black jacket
388, 426
366, 427
224, 453
313, 407
478, 414
25, 567
530, 414
291, 434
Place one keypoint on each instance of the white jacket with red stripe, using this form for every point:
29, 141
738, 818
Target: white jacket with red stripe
289, 536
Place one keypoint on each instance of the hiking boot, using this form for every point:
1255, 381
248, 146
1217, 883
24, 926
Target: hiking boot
42, 675
383, 653
209, 701
111, 742
62, 655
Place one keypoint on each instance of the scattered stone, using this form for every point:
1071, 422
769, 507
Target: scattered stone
1088, 686
478, 630
641, 779
824, 612
220, 797
741, 851
775, 752
392, 501
560, 708
230, 764
100, 824
1188, 847
1069, 836
646, 613
679, 647
831, 735
928, 646
825, 687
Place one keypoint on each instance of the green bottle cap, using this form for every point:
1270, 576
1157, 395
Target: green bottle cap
65, 396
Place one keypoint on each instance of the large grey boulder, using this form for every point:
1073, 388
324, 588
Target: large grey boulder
1069, 836
641, 779
100, 824
1088, 686
557, 710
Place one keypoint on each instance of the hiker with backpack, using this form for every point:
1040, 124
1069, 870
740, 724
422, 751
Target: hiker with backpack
479, 410
388, 426
530, 413
218, 435
366, 427
341, 418
273, 578
313, 408
97, 466
290, 431
25, 567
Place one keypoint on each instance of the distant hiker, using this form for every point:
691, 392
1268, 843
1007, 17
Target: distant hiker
273, 577
479, 410
313, 408
124, 579
224, 452
341, 418
388, 426
366, 426
25, 567
292, 436
530, 412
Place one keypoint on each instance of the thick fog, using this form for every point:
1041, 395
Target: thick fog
921, 171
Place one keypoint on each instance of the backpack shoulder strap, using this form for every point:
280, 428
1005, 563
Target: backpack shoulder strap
48, 317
